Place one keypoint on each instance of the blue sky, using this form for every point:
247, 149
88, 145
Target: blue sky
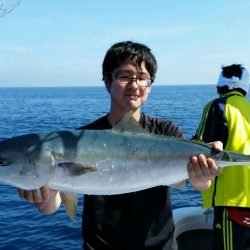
62, 43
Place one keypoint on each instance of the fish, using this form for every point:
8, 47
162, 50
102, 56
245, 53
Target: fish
120, 160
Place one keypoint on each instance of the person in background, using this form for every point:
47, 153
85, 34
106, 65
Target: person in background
227, 119
139, 220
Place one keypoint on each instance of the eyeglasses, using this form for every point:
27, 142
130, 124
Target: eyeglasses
125, 79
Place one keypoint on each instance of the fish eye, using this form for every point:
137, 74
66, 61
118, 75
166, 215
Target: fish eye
2, 163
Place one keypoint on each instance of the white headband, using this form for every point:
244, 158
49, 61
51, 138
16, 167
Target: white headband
235, 82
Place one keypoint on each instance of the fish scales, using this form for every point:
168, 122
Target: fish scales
101, 161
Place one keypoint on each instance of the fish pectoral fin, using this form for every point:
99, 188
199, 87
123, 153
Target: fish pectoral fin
70, 201
179, 185
76, 169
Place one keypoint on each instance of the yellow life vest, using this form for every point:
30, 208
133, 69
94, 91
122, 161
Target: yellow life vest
233, 185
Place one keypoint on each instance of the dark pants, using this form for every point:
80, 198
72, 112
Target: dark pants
229, 235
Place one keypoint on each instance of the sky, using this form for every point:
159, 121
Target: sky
63, 43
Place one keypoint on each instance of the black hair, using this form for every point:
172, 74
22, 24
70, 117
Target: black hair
122, 51
232, 70
229, 72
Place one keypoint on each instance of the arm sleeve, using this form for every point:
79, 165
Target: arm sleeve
213, 126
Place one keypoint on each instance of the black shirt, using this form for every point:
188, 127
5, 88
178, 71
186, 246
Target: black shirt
133, 221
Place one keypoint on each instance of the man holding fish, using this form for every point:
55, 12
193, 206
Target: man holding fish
136, 220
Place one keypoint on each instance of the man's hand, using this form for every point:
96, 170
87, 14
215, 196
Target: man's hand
45, 199
202, 170
36, 196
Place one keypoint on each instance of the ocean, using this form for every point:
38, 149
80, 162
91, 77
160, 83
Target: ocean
28, 110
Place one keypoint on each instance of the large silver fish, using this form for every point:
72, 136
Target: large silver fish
103, 162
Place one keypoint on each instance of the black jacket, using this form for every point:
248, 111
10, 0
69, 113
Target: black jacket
133, 221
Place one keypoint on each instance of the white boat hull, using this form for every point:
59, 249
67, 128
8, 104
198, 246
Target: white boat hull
193, 228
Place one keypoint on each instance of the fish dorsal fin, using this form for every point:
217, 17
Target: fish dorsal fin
128, 123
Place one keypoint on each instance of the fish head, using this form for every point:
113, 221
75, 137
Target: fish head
25, 162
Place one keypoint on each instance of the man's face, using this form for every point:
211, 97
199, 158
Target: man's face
130, 96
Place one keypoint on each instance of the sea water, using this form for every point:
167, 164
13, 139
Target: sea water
28, 110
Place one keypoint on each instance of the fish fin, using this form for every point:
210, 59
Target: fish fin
179, 185
128, 123
70, 201
76, 169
